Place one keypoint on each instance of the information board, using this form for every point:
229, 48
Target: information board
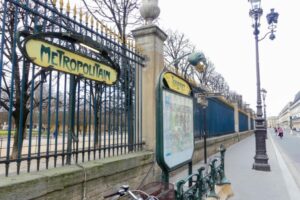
178, 129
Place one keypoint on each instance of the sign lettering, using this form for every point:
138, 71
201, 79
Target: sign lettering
177, 84
44, 54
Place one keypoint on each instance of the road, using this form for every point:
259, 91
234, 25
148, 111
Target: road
289, 147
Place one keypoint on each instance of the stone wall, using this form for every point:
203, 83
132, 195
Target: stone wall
91, 180
85, 181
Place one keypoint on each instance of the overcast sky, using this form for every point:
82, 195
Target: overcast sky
222, 30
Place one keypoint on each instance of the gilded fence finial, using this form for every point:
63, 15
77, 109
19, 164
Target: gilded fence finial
54, 3
86, 18
104, 29
61, 4
130, 43
68, 7
75, 10
97, 25
92, 21
80, 14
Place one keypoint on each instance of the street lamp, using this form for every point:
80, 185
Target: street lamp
202, 100
261, 157
197, 59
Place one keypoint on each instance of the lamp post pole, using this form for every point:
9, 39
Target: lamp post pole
264, 93
261, 157
204, 103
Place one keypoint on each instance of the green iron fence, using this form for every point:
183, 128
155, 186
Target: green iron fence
200, 185
50, 118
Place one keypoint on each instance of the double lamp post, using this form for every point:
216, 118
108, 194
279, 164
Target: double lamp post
261, 157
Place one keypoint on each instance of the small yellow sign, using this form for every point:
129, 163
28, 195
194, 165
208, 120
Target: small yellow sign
177, 84
45, 54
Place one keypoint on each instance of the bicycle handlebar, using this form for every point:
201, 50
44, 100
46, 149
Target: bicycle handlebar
124, 190
120, 193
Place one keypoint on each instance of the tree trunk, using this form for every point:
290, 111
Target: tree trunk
16, 116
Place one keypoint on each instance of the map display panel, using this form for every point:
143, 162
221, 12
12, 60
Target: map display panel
178, 128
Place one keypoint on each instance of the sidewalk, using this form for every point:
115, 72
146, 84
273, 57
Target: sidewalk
249, 184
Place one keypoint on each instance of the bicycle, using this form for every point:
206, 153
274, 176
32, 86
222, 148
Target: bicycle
133, 194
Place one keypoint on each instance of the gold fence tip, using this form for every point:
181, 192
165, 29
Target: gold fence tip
92, 21
75, 10
68, 7
54, 3
61, 4
80, 14
86, 17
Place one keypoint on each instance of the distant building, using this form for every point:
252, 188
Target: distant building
272, 121
284, 116
289, 117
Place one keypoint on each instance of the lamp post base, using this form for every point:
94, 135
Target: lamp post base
261, 158
261, 167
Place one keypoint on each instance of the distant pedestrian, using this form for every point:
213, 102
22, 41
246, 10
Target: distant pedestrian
280, 132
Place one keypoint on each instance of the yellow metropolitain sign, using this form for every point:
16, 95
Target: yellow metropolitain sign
45, 54
177, 84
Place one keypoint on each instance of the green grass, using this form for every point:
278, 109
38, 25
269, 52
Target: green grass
5, 132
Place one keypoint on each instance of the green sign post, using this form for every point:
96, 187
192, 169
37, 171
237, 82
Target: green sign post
174, 123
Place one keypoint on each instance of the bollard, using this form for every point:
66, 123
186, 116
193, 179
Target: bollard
201, 183
223, 180
212, 179
179, 190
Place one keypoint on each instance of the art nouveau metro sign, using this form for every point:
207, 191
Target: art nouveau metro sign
49, 55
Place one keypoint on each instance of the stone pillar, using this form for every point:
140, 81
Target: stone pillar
151, 39
236, 118
249, 119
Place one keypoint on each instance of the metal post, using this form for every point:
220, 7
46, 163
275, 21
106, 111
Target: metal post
71, 124
205, 134
261, 157
265, 115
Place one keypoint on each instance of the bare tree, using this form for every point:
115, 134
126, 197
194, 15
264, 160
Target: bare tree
17, 80
177, 47
122, 14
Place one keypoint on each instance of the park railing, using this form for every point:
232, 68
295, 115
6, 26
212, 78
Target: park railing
200, 185
50, 117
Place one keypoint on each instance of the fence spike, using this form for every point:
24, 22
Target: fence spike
75, 10
87, 18
54, 3
80, 14
129, 42
68, 7
61, 4
97, 25
92, 21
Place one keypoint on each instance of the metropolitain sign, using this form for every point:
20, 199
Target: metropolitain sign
46, 54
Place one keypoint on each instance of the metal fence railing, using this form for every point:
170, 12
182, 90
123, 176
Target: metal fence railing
49, 117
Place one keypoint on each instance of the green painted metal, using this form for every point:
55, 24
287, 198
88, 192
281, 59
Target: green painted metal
54, 118
203, 184
160, 151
